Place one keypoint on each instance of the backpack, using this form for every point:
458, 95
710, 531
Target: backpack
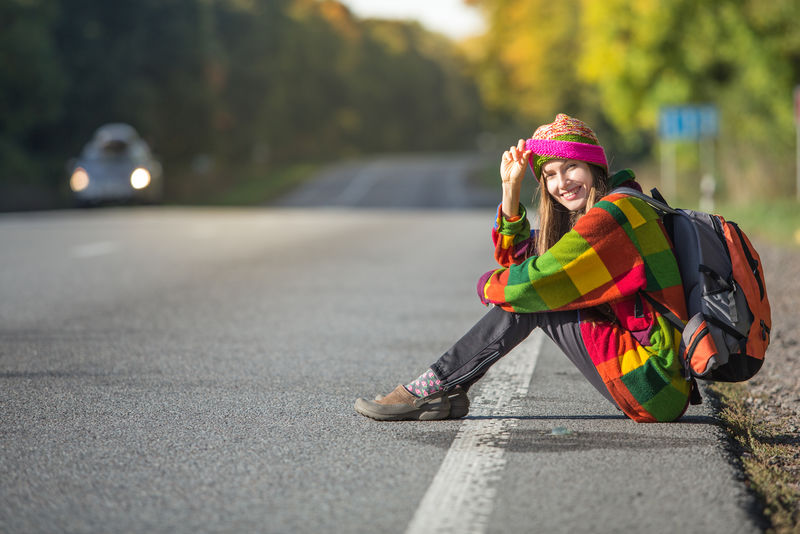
726, 295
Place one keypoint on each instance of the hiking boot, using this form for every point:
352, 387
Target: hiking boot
400, 405
459, 403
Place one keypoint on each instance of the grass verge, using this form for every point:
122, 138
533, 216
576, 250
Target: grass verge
769, 457
259, 188
255, 186
776, 221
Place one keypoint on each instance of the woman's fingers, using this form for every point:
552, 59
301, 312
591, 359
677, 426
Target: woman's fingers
517, 154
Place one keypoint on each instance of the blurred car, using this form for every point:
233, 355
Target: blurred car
116, 165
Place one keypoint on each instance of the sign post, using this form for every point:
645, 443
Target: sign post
688, 123
797, 142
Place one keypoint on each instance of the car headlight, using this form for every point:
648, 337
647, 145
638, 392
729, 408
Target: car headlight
140, 178
79, 180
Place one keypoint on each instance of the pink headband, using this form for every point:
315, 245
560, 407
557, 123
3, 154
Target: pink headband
568, 150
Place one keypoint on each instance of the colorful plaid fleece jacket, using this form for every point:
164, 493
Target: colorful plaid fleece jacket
617, 249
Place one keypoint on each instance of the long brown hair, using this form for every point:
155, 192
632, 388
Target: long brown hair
554, 219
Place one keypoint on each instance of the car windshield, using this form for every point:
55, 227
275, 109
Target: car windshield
115, 141
116, 149
111, 149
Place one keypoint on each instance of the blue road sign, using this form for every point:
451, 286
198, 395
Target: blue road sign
688, 122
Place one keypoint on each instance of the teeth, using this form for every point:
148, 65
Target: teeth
572, 193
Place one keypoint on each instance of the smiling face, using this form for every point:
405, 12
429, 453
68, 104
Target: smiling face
568, 182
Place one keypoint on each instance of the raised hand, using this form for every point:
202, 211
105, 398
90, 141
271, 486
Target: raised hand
513, 164
512, 171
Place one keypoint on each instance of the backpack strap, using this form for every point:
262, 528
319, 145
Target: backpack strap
750, 259
665, 312
658, 204
694, 393
656, 194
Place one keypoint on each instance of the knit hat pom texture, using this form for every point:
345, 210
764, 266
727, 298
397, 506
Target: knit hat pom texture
563, 128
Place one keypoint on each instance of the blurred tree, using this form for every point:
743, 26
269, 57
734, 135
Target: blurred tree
230, 82
742, 55
143, 62
32, 86
353, 86
245, 74
526, 60
416, 94
310, 90
616, 63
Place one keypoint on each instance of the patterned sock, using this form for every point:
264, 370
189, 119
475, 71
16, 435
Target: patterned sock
426, 384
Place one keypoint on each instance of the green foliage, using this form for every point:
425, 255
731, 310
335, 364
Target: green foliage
143, 63
740, 55
258, 187
616, 63
32, 86
524, 62
262, 82
776, 221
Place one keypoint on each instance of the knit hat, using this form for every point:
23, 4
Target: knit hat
566, 137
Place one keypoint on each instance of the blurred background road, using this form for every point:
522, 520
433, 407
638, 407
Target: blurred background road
437, 181
185, 369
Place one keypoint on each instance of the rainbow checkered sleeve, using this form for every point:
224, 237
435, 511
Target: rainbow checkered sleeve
513, 239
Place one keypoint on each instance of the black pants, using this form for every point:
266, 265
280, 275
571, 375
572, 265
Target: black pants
499, 331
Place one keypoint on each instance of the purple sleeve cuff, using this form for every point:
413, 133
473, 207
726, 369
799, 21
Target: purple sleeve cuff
481, 285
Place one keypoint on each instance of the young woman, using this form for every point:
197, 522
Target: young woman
580, 278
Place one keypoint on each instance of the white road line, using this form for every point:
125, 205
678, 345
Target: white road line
461, 496
90, 250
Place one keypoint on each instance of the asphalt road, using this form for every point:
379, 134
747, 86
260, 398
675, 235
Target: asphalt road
194, 370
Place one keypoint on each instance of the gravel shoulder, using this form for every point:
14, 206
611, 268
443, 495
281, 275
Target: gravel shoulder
775, 390
762, 416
